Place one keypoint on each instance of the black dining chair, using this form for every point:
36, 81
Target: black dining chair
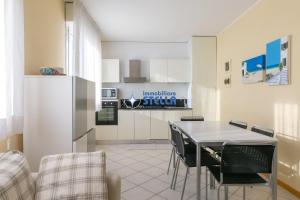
216, 150
240, 124
241, 164
188, 144
263, 131
187, 155
192, 118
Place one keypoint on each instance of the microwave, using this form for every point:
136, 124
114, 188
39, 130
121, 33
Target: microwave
109, 93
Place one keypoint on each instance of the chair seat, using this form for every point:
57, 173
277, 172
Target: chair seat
229, 178
187, 140
206, 159
216, 149
191, 148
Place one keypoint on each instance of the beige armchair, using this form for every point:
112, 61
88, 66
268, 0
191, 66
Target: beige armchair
113, 185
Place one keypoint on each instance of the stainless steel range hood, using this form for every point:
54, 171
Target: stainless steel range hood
134, 73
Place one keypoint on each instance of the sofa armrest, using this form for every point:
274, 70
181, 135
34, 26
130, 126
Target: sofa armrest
113, 186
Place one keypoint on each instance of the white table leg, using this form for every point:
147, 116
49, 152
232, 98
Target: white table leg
198, 185
274, 173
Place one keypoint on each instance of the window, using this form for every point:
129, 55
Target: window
3, 91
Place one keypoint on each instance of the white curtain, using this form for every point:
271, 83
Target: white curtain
11, 67
87, 48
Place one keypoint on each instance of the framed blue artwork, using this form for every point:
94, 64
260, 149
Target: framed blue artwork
277, 61
253, 70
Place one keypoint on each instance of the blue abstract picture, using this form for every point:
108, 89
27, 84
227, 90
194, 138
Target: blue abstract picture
277, 61
253, 69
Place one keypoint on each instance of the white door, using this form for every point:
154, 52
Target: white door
179, 70
142, 125
126, 125
158, 70
110, 70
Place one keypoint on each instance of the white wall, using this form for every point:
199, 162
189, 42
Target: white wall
275, 107
145, 51
44, 26
204, 77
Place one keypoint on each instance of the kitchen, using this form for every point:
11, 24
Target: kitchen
133, 69
150, 100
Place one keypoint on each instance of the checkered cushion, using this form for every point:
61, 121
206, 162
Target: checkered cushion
15, 177
72, 176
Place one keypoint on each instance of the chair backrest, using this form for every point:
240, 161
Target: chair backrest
172, 133
247, 158
178, 140
192, 118
263, 131
238, 124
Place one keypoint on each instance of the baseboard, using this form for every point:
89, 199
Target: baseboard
99, 142
288, 188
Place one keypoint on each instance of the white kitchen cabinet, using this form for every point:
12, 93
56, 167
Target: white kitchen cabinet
179, 71
110, 71
125, 125
170, 70
159, 70
142, 125
159, 125
107, 132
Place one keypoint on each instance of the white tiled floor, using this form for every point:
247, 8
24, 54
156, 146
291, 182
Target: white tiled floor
143, 171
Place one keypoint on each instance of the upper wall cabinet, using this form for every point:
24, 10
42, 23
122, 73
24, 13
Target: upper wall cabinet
179, 70
110, 71
170, 70
158, 70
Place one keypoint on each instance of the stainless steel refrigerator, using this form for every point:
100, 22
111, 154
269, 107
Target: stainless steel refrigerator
59, 116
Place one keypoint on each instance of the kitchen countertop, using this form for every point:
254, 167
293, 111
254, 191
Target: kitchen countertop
167, 109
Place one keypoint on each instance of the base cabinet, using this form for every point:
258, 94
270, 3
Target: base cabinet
107, 132
159, 125
125, 125
142, 125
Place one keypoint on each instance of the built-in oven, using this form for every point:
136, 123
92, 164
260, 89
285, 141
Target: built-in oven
108, 115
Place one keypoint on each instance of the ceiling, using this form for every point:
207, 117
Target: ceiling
163, 20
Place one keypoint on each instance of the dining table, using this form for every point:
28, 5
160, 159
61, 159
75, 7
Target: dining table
216, 133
